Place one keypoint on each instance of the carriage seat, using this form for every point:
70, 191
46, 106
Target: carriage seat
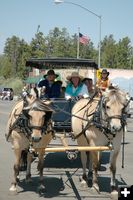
62, 116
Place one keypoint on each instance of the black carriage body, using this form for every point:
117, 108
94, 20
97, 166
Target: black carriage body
62, 116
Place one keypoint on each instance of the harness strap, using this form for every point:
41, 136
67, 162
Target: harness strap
90, 100
11, 128
74, 115
71, 115
21, 123
83, 130
89, 122
123, 147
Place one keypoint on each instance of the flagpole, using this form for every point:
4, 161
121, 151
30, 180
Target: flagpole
93, 13
78, 43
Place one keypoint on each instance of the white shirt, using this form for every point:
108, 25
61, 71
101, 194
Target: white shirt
84, 91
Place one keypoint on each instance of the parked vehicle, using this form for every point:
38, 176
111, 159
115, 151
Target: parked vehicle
7, 94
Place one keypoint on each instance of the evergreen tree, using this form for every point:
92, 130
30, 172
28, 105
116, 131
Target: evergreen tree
124, 53
108, 52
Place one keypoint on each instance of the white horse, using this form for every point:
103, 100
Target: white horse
102, 123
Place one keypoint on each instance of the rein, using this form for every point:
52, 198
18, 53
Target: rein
22, 123
74, 115
97, 121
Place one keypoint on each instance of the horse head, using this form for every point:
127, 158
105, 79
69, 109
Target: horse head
38, 113
114, 103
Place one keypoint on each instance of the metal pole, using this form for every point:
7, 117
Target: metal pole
98, 16
99, 47
78, 43
73, 148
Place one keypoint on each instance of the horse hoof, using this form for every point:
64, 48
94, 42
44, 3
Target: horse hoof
41, 190
114, 195
13, 190
96, 187
83, 183
62, 188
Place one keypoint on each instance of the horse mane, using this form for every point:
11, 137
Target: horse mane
40, 105
114, 94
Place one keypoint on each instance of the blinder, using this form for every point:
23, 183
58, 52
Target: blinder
121, 117
30, 127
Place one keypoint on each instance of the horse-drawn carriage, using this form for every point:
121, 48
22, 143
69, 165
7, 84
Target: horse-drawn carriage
96, 123
62, 116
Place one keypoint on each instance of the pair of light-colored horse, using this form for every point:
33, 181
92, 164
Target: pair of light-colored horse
94, 123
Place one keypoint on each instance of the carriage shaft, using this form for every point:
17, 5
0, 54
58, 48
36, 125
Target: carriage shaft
73, 148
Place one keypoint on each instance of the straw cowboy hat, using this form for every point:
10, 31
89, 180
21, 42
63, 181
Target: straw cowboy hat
50, 72
104, 71
74, 74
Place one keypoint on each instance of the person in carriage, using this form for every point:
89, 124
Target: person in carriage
50, 88
89, 83
104, 81
75, 88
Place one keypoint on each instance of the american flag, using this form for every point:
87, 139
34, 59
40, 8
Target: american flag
83, 39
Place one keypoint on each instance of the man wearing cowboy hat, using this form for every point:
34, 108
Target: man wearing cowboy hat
51, 88
75, 87
103, 82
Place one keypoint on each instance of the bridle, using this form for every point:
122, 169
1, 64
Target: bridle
23, 125
42, 128
103, 122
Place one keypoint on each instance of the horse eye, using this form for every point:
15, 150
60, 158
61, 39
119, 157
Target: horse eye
107, 107
30, 116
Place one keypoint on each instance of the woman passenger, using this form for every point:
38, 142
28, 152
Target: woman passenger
75, 87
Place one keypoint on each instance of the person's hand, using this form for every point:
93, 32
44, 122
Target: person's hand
68, 97
80, 97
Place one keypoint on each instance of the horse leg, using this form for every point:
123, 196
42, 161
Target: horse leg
13, 187
94, 171
40, 169
82, 142
84, 162
28, 171
113, 158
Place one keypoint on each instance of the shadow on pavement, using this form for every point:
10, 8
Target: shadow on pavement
56, 187
53, 186
104, 183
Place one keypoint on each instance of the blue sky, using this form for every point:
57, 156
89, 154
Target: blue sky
22, 17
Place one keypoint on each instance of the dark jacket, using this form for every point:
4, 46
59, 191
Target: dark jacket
52, 91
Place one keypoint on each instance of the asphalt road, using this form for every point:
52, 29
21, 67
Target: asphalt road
61, 176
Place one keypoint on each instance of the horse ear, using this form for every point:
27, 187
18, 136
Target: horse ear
27, 102
46, 102
104, 100
47, 108
30, 99
34, 92
26, 108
